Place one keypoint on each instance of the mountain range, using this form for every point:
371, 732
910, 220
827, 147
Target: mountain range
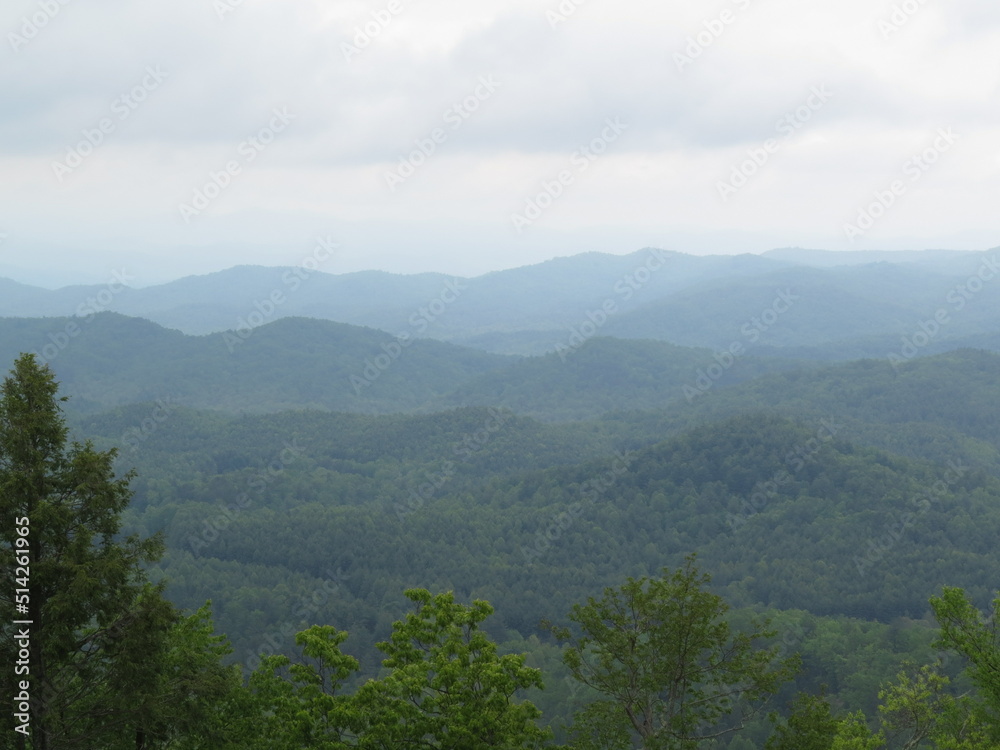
823, 430
820, 304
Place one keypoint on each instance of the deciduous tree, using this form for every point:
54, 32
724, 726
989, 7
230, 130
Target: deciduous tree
448, 688
672, 672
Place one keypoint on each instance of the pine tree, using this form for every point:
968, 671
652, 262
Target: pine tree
98, 629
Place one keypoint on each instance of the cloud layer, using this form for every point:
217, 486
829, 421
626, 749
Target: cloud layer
116, 115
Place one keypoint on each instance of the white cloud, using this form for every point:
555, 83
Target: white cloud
355, 118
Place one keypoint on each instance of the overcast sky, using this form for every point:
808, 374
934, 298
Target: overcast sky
469, 135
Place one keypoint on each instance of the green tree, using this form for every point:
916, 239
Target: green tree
304, 710
448, 688
853, 734
810, 726
965, 630
917, 711
971, 721
195, 703
672, 672
100, 653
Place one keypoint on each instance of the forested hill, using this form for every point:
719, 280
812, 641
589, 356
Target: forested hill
298, 363
111, 360
936, 408
782, 514
606, 374
305, 472
108, 360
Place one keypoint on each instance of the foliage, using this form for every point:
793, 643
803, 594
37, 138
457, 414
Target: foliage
97, 627
532, 517
305, 709
448, 688
671, 672
854, 734
965, 630
810, 725
918, 711
533, 520
111, 663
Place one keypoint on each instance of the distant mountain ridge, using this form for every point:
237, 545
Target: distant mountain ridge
841, 300
943, 260
292, 363
531, 297
301, 363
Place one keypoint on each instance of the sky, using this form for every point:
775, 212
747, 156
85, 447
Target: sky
174, 137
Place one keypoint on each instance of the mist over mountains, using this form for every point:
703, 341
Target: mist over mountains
822, 429
571, 338
842, 303
509, 374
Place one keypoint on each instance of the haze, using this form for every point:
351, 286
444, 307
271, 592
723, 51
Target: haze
736, 126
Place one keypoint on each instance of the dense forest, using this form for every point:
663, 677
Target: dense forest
246, 540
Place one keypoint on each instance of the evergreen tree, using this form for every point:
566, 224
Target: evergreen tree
98, 638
